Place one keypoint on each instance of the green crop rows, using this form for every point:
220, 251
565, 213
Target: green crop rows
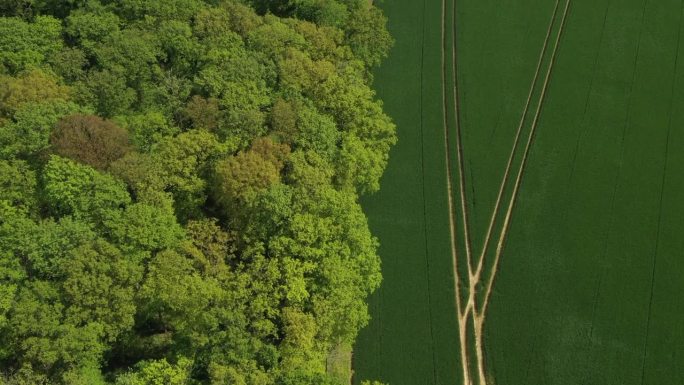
588, 288
413, 336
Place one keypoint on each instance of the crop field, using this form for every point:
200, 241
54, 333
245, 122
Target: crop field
412, 337
570, 272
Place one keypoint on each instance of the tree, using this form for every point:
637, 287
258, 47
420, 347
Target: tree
215, 247
184, 164
274, 37
90, 140
24, 45
330, 231
146, 227
318, 133
147, 129
299, 344
27, 135
88, 27
180, 184
29, 87
367, 35
284, 118
107, 91
18, 184
99, 287
27, 9
176, 301
326, 12
179, 46
238, 179
69, 63
13, 230
326, 42
42, 341
204, 113
368, 133
159, 9
158, 372
131, 54
82, 192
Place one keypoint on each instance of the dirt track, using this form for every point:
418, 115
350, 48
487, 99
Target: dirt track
478, 314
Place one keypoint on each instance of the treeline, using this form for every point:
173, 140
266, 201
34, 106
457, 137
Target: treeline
179, 184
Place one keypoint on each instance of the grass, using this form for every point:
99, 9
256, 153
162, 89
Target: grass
339, 363
588, 285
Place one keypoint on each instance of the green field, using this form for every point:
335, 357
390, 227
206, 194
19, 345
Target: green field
413, 335
588, 287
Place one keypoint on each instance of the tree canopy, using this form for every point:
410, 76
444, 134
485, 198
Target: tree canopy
179, 188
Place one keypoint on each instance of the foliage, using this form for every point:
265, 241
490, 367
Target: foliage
240, 178
82, 192
29, 87
89, 140
18, 184
179, 186
27, 134
147, 129
366, 35
24, 45
158, 372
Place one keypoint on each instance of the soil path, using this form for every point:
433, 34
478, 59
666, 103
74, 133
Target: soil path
475, 278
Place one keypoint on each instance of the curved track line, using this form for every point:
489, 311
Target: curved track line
470, 306
516, 187
450, 201
479, 320
504, 181
461, 314
474, 277
459, 145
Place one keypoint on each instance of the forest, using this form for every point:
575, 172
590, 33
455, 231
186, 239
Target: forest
179, 188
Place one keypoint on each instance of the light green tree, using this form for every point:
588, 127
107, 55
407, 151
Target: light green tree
24, 45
